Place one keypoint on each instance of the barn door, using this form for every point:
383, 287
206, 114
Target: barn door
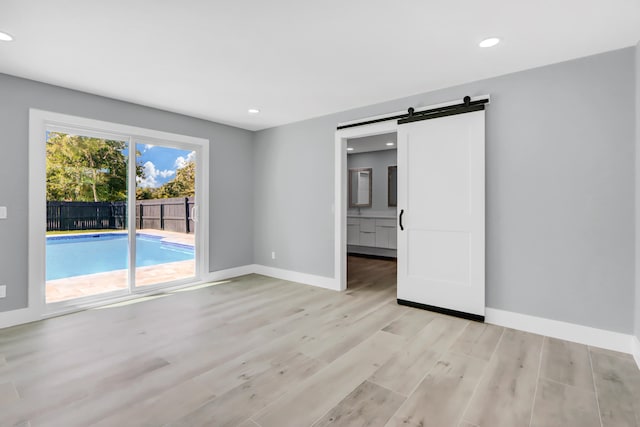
441, 205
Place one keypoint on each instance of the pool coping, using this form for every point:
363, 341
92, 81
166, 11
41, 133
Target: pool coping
163, 240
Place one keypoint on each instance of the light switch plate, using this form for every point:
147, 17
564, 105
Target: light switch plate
3, 212
3, 291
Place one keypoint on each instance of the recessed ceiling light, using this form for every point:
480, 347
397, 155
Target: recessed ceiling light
253, 111
390, 144
491, 41
5, 37
349, 148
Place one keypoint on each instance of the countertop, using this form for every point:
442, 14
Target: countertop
372, 216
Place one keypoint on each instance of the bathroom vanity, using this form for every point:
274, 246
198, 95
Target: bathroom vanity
372, 235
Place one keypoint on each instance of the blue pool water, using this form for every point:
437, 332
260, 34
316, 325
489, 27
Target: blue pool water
77, 255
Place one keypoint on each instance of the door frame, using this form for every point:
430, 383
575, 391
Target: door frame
39, 122
341, 191
340, 177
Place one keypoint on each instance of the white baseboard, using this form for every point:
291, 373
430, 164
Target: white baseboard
294, 276
229, 273
635, 350
17, 317
556, 329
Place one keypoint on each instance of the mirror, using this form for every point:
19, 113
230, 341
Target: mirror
392, 182
360, 188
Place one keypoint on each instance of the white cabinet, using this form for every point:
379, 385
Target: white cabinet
373, 232
367, 238
353, 233
390, 223
386, 233
367, 225
367, 232
393, 239
383, 236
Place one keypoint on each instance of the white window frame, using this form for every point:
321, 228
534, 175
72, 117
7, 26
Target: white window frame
40, 122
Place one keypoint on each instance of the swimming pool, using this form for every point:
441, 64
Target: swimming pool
77, 255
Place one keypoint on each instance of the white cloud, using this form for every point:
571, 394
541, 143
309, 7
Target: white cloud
151, 174
182, 162
147, 147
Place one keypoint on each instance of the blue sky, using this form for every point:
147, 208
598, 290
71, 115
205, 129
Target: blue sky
161, 163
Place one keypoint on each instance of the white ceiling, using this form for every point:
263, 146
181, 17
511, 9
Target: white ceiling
372, 143
295, 59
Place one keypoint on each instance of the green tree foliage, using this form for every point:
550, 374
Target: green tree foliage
183, 185
81, 168
145, 193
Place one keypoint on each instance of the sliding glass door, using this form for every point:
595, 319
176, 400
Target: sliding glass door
121, 215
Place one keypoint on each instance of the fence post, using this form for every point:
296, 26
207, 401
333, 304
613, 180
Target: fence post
161, 216
141, 211
64, 213
186, 213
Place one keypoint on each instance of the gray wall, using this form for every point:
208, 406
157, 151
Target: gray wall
560, 189
231, 224
637, 70
378, 161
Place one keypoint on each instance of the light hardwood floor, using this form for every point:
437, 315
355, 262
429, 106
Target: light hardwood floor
261, 352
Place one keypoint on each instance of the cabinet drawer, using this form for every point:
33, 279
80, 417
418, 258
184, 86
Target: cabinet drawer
353, 221
368, 225
367, 238
385, 222
382, 237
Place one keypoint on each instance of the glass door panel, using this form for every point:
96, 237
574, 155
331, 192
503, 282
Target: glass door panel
87, 244
165, 206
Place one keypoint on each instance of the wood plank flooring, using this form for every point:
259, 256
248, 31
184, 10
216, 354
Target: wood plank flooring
260, 352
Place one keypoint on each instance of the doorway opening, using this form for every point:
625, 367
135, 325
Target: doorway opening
371, 169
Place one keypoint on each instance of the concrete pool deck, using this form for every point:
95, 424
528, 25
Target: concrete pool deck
99, 283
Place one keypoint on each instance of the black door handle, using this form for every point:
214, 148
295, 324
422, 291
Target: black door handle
401, 213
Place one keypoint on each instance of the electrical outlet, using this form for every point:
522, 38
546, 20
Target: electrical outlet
3, 212
273, 255
3, 291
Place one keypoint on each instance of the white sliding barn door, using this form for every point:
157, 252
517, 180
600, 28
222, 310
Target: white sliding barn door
441, 195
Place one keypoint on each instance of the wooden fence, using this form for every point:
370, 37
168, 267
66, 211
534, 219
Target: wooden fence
166, 214
159, 214
68, 216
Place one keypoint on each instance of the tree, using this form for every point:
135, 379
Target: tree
184, 184
145, 193
82, 168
